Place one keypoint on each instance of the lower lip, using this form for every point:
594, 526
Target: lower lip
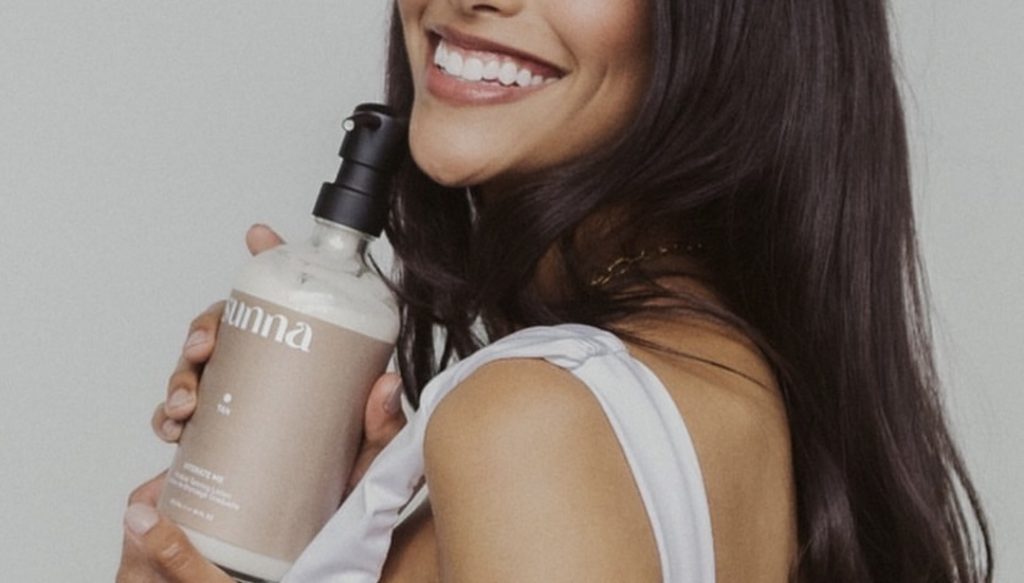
459, 92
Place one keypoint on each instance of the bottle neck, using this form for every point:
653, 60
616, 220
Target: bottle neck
330, 238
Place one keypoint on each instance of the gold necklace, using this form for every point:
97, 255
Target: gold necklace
623, 264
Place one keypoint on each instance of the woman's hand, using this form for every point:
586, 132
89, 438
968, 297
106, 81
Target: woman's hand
383, 418
157, 550
171, 415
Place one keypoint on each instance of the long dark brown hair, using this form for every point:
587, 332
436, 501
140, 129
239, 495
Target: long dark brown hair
773, 132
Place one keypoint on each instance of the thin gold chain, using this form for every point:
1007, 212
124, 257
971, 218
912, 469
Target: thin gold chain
623, 264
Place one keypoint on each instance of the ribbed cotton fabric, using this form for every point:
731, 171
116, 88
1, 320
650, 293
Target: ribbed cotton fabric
353, 546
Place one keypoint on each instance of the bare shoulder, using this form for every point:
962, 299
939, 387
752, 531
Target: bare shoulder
735, 414
513, 398
528, 482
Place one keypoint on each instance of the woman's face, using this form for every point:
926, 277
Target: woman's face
505, 88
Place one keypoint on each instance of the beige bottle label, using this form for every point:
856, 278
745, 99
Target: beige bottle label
263, 462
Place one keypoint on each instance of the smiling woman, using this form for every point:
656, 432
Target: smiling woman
662, 316
763, 143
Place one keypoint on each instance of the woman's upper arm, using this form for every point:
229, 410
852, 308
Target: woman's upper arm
528, 483
413, 554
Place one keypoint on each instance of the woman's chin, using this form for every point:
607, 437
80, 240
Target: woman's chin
452, 171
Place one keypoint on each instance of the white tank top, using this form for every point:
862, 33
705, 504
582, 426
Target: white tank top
353, 546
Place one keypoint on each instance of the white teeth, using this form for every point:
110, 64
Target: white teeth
454, 64
507, 74
524, 77
474, 69
491, 70
440, 55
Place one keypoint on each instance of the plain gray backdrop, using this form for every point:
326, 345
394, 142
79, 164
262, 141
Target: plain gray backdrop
139, 139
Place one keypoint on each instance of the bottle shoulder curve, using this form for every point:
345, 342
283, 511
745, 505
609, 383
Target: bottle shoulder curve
344, 293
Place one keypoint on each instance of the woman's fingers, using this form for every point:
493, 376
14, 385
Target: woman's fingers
149, 492
259, 238
166, 549
201, 335
184, 381
169, 417
155, 548
384, 417
164, 427
382, 421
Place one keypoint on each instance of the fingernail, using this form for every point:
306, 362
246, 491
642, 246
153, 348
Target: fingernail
179, 399
140, 518
393, 404
170, 428
197, 337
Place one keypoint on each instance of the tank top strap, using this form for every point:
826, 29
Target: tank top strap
353, 546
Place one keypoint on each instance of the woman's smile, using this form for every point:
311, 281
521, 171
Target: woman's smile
468, 70
509, 89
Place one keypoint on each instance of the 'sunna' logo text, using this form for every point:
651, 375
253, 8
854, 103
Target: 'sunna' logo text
274, 327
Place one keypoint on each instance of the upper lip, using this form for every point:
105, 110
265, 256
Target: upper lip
476, 43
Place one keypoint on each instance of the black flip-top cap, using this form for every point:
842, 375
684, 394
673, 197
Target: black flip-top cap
374, 147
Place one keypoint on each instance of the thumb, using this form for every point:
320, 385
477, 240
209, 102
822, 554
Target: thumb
166, 548
259, 238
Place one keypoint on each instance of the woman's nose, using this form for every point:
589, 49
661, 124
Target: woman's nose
496, 7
